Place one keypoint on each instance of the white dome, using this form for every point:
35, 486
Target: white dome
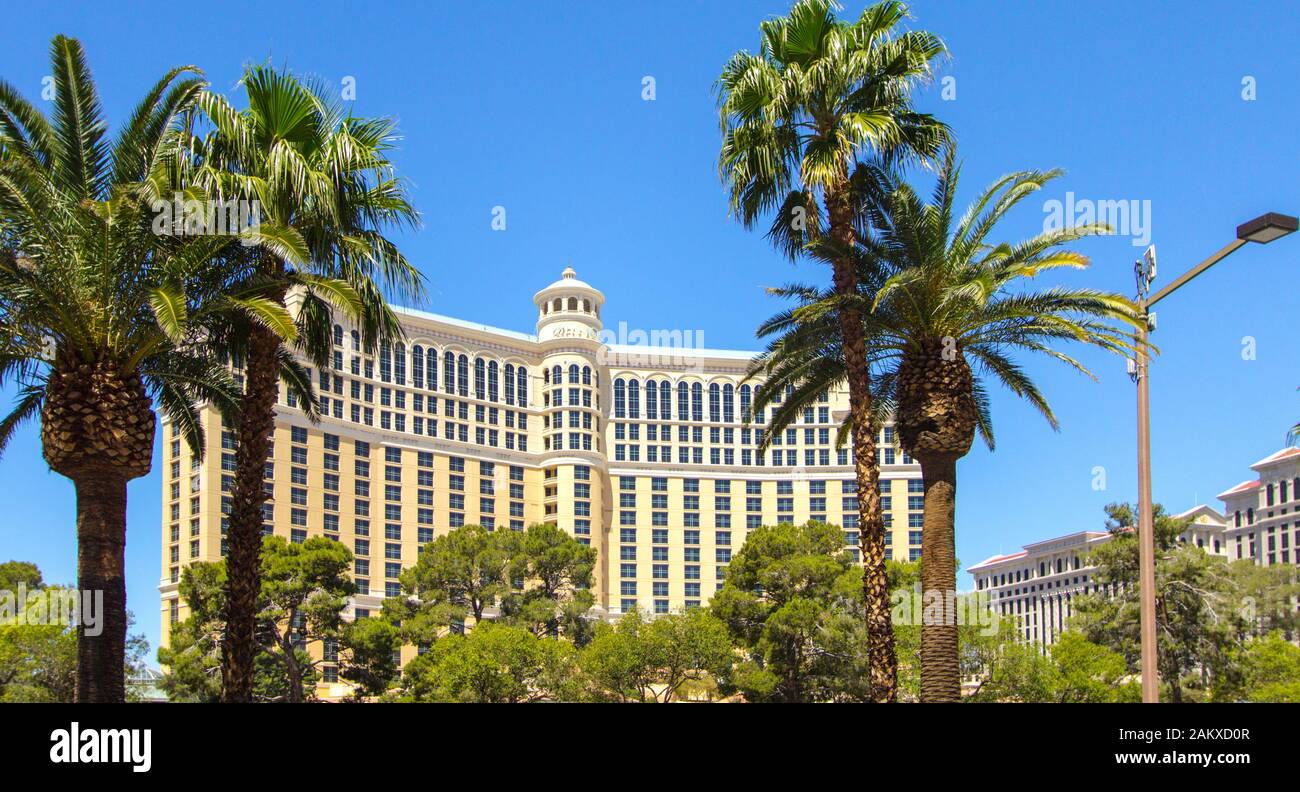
569, 284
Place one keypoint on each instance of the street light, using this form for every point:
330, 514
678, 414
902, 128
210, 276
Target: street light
1262, 229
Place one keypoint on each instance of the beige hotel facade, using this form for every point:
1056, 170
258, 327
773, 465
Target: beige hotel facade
640, 451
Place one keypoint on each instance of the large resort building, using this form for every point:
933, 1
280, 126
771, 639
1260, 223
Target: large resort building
643, 452
1037, 585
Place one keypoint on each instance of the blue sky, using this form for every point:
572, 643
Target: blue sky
538, 108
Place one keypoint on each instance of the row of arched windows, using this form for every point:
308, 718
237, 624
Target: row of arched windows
690, 400
577, 375
487, 382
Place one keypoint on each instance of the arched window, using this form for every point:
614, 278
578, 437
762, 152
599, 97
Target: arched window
745, 401
556, 304
521, 377
633, 399
683, 401
586, 375
697, 402
715, 403
449, 372
480, 379
338, 335
728, 403
546, 376
462, 375
356, 341
665, 410
385, 362
417, 366
573, 303
573, 373
510, 383
651, 400
620, 399
493, 377
557, 375
399, 364
432, 359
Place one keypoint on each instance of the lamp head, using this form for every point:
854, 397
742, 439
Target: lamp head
1266, 228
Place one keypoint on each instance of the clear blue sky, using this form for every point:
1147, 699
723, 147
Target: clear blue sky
537, 107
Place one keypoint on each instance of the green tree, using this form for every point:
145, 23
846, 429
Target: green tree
795, 117
1271, 670
38, 652
551, 583
492, 664
1196, 627
38, 660
1074, 671
99, 312
327, 193
467, 569
639, 660
13, 573
1267, 597
369, 659
785, 593
305, 586
192, 657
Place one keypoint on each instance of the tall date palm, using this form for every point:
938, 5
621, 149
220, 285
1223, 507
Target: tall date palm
326, 193
98, 314
795, 117
944, 311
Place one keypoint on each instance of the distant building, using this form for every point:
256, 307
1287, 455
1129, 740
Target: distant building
1263, 523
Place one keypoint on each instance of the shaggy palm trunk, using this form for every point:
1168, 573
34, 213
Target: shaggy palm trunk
97, 428
937, 416
101, 571
940, 671
244, 537
871, 523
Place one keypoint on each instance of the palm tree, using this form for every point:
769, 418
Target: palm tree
326, 191
794, 119
938, 298
98, 313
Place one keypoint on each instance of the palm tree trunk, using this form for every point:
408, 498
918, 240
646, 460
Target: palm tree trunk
871, 524
101, 565
244, 537
940, 670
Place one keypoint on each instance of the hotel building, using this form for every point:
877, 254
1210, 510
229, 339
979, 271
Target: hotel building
1264, 512
642, 452
1037, 585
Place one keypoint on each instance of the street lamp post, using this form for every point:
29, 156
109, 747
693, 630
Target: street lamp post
1262, 230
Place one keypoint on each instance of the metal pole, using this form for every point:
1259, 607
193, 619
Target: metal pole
1146, 524
1146, 518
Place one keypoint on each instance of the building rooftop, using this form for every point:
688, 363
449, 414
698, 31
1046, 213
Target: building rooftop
1280, 456
1244, 486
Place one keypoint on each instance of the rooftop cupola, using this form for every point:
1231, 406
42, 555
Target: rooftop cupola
568, 309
